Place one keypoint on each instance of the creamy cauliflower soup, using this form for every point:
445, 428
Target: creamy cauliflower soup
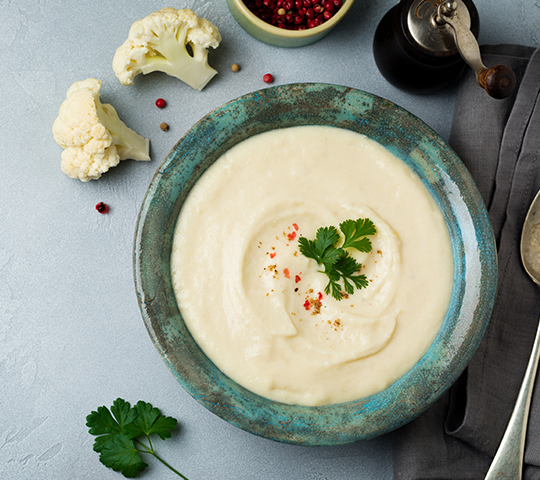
257, 306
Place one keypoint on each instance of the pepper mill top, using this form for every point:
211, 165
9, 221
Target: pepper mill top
426, 33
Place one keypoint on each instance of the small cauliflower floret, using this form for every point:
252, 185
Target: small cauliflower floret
92, 134
160, 42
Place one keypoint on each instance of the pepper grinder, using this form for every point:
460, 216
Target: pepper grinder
421, 46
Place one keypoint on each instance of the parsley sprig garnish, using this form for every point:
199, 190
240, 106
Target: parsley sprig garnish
337, 262
118, 433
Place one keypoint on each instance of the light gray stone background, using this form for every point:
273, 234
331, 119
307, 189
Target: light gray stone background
71, 335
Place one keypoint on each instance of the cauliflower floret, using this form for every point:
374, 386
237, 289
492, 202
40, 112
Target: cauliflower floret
160, 42
92, 134
77, 163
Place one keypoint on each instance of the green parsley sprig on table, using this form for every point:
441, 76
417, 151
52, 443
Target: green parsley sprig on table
119, 432
337, 262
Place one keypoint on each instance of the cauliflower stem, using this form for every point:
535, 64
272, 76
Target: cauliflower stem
128, 143
173, 58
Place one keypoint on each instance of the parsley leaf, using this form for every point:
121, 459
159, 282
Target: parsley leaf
150, 421
338, 263
346, 266
121, 455
322, 248
356, 233
118, 431
333, 287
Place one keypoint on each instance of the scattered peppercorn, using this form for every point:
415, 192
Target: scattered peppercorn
235, 67
294, 14
268, 78
164, 126
102, 207
160, 103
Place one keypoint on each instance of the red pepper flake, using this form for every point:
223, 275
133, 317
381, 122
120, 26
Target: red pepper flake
320, 296
273, 254
286, 273
291, 236
307, 304
295, 226
297, 278
102, 207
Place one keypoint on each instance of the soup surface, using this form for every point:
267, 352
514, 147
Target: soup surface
257, 306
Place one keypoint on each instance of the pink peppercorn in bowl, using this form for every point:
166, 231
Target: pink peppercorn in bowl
289, 23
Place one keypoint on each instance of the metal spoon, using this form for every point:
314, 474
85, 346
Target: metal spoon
508, 462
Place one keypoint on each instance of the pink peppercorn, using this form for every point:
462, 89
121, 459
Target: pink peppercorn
102, 207
268, 78
160, 103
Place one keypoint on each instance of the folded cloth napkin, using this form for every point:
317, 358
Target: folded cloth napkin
499, 142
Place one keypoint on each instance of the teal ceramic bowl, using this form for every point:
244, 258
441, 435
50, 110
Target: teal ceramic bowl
278, 37
475, 264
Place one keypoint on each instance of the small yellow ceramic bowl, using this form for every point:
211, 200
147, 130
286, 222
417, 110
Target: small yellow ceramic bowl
279, 37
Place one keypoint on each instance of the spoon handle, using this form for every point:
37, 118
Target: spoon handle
508, 462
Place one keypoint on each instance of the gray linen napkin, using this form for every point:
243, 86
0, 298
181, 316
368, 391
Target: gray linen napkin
499, 142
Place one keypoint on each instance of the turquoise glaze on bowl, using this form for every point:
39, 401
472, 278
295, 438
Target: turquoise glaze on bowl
278, 37
443, 174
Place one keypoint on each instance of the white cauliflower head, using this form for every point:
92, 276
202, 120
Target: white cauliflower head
172, 41
92, 134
